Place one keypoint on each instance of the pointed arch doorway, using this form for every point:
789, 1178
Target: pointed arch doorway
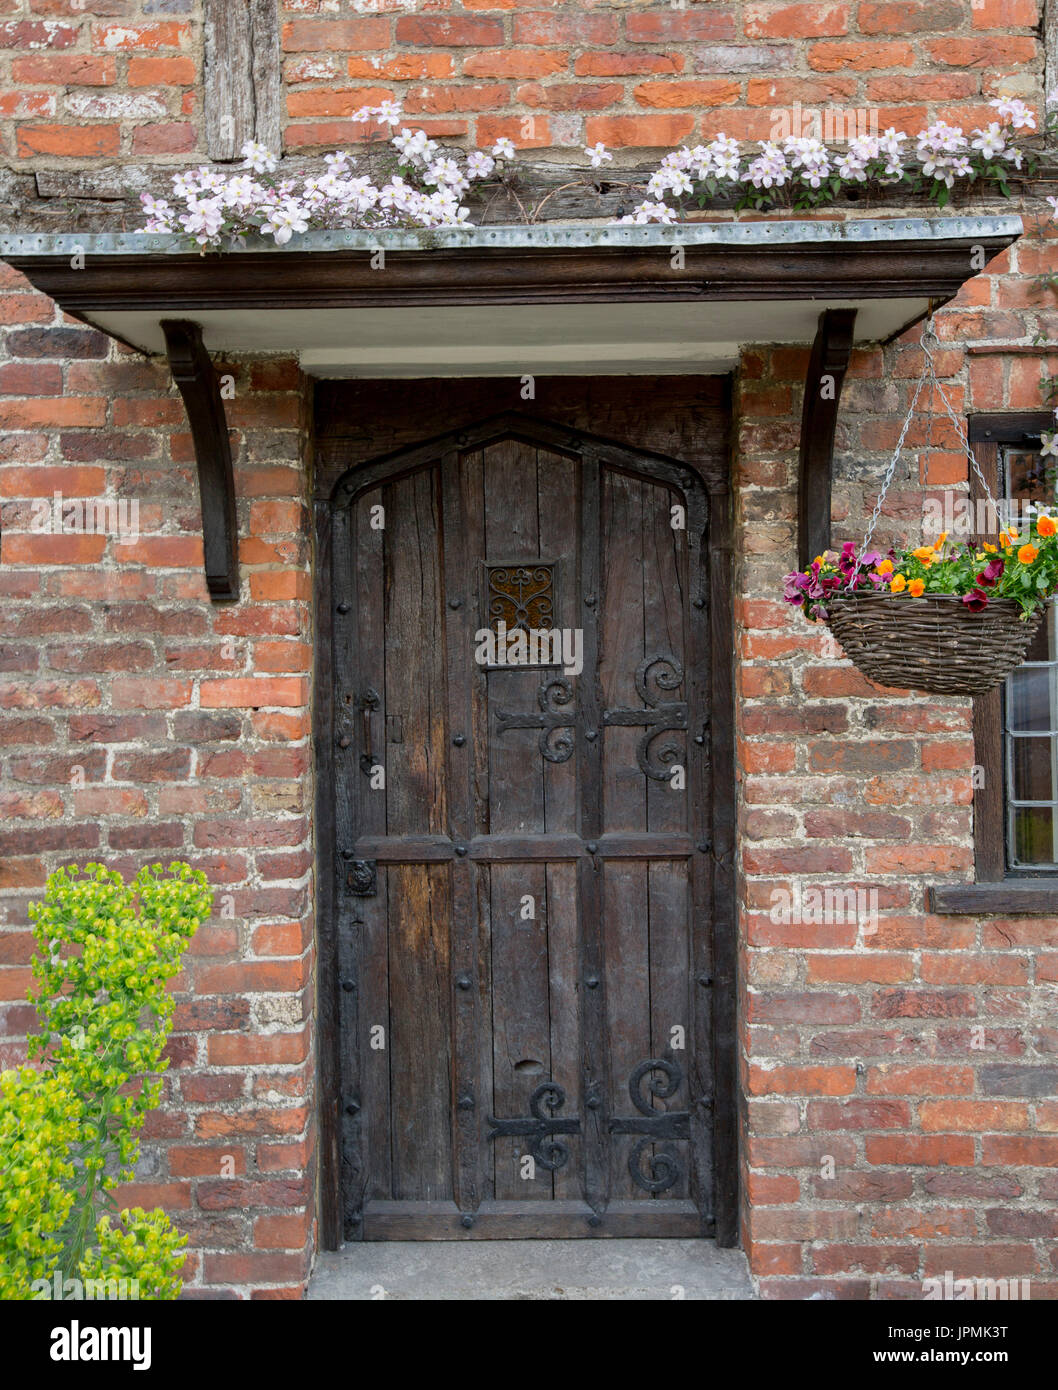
527, 1000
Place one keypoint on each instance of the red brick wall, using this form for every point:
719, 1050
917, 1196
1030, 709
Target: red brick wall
138, 721
111, 80
121, 78
861, 1045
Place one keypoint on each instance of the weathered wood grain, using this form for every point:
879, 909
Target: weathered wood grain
241, 79
481, 1004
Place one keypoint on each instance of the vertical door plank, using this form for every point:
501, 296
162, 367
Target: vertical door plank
664, 613
512, 533
670, 1005
626, 515
558, 489
711, 638
369, 672
414, 739
373, 997
628, 979
472, 506
563, 956
665, 608
416, 695
459, 543
521, 1034
421, 1032
621, 640
594, 1050
521, 1041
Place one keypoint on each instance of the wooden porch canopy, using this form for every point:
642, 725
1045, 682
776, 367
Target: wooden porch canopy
590, 301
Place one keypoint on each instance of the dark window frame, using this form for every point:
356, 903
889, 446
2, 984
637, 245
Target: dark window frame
996, 888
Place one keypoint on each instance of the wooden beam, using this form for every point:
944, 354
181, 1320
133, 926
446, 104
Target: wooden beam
193, 373
186, 282
819, 417
241, 76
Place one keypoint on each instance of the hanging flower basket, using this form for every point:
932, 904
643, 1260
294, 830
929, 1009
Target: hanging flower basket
934, 643
948, 618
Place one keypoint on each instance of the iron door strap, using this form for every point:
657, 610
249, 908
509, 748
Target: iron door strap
550, 1153
657, 1171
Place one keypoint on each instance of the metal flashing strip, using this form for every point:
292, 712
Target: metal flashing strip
854, 231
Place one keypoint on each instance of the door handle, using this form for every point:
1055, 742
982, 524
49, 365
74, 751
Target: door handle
369, 702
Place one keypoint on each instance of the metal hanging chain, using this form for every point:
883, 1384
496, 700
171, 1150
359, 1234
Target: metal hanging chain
960, 428
923, 376
928, 374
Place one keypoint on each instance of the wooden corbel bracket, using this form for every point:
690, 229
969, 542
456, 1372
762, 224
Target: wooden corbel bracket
827, 365
194, 374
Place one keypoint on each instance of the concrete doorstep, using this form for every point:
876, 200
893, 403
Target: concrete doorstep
531, 1270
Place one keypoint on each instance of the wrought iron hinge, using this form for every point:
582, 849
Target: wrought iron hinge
359, 876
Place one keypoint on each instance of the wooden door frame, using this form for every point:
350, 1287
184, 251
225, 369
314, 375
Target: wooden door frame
719, 566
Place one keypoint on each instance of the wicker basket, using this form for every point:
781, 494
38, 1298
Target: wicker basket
934, 643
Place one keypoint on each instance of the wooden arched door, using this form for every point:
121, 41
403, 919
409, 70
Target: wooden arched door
523, 905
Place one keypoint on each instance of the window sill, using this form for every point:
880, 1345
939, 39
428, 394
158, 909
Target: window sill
1014, 896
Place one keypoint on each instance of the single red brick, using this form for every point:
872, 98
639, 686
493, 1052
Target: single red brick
923, 1003
161, 72
115, 38
917, 859
37, 34
200, 1161
974, 1116
523, 132
322, 35
859, 56
456, 32
802, 1081
76, 142
406, 67
877, 968
21, 414
910, 16
570, 96
581, 30
625, 64
713, 24
234, 1049
762, 21
282, 1232
252, 692
715, 92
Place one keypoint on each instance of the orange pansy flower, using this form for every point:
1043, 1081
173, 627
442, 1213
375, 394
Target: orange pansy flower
884, 567
1027, 554
917, 588
899, 584
1045, 526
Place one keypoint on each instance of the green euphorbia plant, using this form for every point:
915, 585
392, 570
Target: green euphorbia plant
70, 1132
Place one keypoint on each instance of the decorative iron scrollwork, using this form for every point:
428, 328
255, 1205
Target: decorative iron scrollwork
522, 596
550, 1153
554, 723
655, 675
659, 1171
